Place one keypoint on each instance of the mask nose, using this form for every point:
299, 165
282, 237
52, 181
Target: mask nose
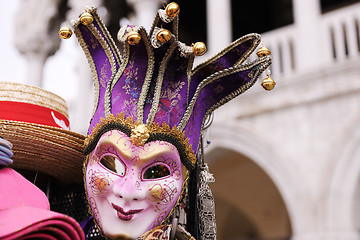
128, 188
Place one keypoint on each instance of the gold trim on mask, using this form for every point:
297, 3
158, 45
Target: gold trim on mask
140, 133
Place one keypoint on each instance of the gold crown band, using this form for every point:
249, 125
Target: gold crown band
155, 131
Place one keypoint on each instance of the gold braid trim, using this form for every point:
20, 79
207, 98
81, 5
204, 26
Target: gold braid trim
153, 132
104, 121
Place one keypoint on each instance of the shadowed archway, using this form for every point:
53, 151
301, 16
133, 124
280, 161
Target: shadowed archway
248, 204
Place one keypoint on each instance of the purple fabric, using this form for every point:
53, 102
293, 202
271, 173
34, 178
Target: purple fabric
210, 95
224, 62
110, 42
173, 98
87, 225
159, 54
103, 69
126, 92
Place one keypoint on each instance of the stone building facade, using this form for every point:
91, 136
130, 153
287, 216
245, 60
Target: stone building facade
286, 162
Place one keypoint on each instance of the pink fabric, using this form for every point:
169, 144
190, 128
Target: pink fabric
17, 191
25, 214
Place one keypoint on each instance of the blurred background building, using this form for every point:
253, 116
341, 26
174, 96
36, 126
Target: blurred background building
286, 162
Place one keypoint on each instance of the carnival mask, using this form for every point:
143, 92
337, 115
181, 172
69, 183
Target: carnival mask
150, 109
130, 188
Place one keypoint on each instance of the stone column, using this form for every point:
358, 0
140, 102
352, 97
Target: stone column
219, 25
36, 25
310, 44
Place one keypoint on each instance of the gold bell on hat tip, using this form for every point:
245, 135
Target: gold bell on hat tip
199, 48
163, 35
133, 38
263, 51
86, 18
65, 32
268, 84
172, 10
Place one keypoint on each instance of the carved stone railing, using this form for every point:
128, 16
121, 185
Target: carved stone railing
343, 32
281, 43
336, 40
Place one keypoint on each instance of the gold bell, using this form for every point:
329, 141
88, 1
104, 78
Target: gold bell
86, 18
133, 38
199, 48
263, 51
65, 32
172, 10
163, 35
268, 83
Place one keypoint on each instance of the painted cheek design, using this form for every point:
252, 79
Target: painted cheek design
156, 192
99, 182
164, 193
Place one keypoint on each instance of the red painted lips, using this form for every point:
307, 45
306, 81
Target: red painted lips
126, 216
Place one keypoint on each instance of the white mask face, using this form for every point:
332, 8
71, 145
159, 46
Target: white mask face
132, 189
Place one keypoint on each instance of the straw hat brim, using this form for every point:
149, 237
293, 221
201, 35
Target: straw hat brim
50, 150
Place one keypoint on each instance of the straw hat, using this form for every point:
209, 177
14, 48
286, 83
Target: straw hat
36, 122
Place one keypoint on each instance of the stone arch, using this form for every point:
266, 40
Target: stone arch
282, 173
343, 189
248, 203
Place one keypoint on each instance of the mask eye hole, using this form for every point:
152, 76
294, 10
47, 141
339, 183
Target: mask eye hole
156, 171
113, 164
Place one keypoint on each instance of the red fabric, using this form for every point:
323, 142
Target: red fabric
27, 112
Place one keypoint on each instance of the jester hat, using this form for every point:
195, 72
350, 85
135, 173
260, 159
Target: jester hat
151, 91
